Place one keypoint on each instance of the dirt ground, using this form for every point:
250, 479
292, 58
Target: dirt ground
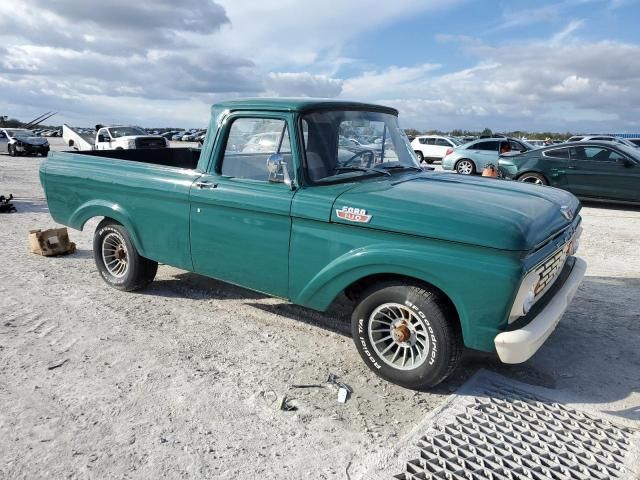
183, 379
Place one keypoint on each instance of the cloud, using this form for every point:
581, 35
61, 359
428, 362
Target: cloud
542, 85
301, 85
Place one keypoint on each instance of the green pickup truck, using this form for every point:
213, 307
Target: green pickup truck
275, 202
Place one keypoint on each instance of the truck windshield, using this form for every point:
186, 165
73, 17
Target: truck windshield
379, 145
126, 131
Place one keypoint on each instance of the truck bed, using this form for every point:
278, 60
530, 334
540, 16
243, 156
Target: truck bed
171, 157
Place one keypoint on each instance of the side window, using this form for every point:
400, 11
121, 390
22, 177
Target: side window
2, 135
491, 146
103, 135
441, 142
596, 154
557, 153
516, 146
430, 141
251, 141
423, 141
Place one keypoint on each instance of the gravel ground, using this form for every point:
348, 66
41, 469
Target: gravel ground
183, 380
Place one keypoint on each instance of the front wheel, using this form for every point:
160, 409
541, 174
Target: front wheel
534, 178
117, 259
419, 156
12, 150
465, 167
406, 335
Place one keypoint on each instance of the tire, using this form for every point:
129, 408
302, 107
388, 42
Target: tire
465, 167
419, 156
119, 148
433, 358
533, 178
117, 259
12, 151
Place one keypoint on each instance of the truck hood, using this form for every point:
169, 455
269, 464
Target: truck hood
481, 211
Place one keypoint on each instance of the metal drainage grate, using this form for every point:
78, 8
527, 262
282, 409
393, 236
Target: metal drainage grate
507, 433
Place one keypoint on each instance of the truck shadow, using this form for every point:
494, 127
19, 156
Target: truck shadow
194, 286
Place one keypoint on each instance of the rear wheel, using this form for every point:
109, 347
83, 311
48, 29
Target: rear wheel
12, 150
117, 259
419, 155
534, 178
406, 335
465, 167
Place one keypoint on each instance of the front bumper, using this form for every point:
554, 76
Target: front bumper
30, 149
518, 346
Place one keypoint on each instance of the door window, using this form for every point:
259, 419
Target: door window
491, 146
597, 154
103, 135
250, 143
2, 135
441, 142
557, 153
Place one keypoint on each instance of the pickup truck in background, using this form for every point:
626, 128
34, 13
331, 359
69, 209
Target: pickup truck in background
118, 137
309, 221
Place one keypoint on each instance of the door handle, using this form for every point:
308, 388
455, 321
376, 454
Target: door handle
206, 185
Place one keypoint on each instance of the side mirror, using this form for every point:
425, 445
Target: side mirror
627, 162
277, 169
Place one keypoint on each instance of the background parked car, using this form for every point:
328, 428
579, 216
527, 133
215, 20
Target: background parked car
588, 169
20, 141
472, 157
432, 147
608, 138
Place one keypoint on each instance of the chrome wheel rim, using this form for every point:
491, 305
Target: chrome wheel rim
531, 179
400, 338
465, 167
115, 255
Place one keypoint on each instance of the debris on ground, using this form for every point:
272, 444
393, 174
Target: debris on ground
56, 364
51, 242
5, 204
283, 404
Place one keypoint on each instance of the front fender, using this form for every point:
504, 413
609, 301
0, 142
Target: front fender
104, 208
479, 282
357, 264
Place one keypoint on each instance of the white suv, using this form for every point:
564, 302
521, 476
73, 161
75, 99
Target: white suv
432, 147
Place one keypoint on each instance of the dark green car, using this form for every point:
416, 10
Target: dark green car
594, 170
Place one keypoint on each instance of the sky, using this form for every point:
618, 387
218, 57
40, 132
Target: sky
565, 66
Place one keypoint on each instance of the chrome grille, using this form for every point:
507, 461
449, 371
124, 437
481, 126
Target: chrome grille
150, 142
551, 268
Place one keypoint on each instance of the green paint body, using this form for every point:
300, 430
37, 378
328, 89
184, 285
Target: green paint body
472, 238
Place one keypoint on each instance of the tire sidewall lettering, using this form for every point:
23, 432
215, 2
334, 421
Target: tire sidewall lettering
433, 342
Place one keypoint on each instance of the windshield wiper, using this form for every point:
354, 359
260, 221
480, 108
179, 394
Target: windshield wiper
360, 169
403, 167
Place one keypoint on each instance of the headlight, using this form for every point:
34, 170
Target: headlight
526, 297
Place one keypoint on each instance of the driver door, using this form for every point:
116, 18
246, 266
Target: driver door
601, 172
103, 139
240, 216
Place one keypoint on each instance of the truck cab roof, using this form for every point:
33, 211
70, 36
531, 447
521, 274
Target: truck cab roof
299, 105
